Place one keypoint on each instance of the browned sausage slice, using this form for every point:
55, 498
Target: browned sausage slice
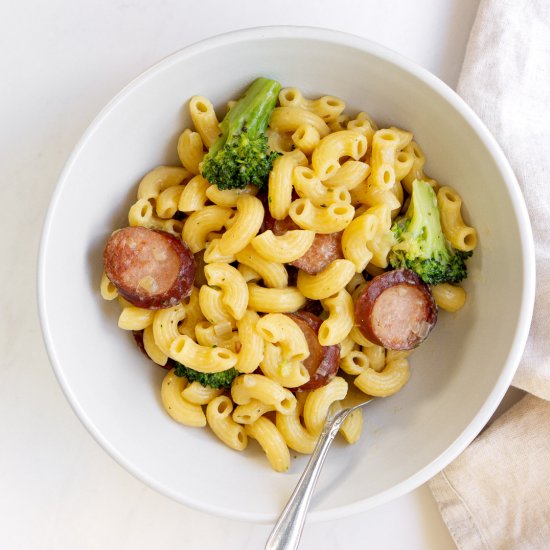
323, 361
313, 320
396, 310
312, 306
151, 269
324, 250
326, 370
280, 227
315, 349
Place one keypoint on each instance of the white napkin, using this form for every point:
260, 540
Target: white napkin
496, 495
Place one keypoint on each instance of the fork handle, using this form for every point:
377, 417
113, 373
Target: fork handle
288, 529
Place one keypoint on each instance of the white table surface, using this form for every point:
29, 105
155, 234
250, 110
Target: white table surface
61, 61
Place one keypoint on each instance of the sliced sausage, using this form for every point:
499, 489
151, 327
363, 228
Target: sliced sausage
326, 370
311, 318
313, 306
316, 352
151, 269
279, 227
396, 310
323, 361
324, 250
292, 275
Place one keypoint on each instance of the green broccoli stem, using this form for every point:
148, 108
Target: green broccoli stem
250, 114
425, 221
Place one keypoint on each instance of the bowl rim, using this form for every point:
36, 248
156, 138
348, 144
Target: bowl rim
528, 265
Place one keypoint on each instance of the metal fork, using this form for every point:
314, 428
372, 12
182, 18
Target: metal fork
287, 531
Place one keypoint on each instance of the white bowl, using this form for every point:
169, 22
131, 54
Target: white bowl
458, 376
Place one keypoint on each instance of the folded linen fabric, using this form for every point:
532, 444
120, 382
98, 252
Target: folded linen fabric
496, 495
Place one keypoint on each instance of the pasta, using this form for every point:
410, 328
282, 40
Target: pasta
275, 300
314, 235
279, 195
107, 289
319, 401
190, 150
340, 320
461, 236
176, 405
218, 415
284, 248
202, 222
247, 223
201, 358
324, 219
205, 120
233, 287
449, 297
193, 196
280, 329
289, 374
135, 318
151, 347
251, 352
330, 281
386, 382
160, 179
326, 156
271, 441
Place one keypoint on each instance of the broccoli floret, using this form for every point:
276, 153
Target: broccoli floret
240, 155
214, 380
421, 244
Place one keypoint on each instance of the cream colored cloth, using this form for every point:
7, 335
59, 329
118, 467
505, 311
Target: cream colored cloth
496, 495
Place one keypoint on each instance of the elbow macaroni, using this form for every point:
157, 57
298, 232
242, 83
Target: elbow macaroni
319, 401
328, 107
246, 224
279, 194
218, 415
233, 287
160, 179
275, 300
190, 150
202, 222
289, 374
335, 217
449, 297
289, 119
274, 274
340, 320
251, 352
330, 281
186, 351
460, 235
205, 120
271, 441
284, 248
280, 329
176, 406
255, 386
326, 156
